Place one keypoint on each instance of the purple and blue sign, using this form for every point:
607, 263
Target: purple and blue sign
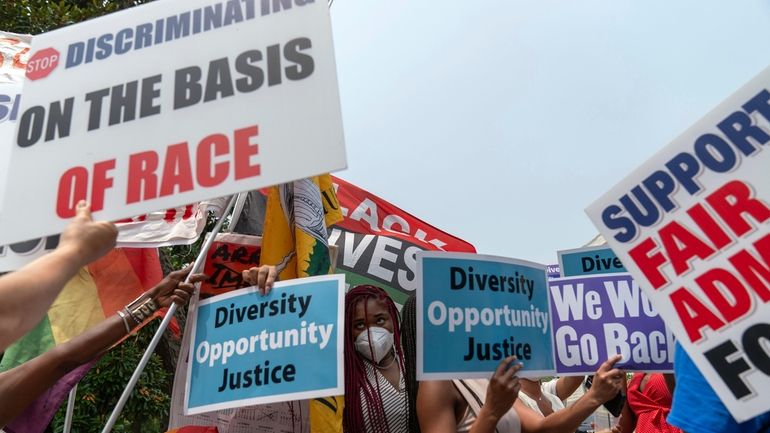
595, 317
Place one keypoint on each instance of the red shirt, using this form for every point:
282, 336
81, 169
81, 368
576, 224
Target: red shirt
652, 405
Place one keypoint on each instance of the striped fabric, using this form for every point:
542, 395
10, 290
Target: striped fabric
194, 429
96, 292
394, 401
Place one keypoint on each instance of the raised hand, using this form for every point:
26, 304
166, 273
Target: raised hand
87, 239
174, 289
608, 381
503, 387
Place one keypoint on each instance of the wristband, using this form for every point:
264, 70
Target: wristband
141, 309
125, 322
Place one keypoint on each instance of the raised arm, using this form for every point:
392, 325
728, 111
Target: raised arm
437, 401
27, 294
23, 384
607, 383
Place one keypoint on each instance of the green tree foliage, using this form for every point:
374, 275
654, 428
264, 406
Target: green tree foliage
38, 16
98, 392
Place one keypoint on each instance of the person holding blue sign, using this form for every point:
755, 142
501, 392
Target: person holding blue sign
444, 406
376, 400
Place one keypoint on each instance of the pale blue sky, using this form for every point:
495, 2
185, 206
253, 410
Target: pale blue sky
500, 121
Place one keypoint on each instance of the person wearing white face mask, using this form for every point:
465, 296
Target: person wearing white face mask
375, 390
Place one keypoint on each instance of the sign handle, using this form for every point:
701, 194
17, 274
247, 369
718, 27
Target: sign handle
239, 204
164, 324
70, 409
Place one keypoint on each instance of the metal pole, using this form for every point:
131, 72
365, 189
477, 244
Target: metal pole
237, 211
70, 409
164, 324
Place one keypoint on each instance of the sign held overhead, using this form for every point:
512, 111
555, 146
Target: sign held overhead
171, 103
692, 225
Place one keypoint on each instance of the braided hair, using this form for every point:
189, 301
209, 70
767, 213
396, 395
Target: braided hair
356, 382
409, 341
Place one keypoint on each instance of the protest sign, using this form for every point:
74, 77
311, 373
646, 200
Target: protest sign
589, 261
476, 310
595, 317
251, 349
553, 271
378, 242
117, 111
14, 53
691, 226
230, 254
177, 226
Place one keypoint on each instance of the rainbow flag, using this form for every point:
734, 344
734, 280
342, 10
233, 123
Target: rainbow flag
96, 292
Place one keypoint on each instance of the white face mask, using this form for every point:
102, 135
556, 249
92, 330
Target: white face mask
381, 343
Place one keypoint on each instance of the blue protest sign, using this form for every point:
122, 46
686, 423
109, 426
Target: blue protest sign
589, 261
476, 310
595, 317
251, 349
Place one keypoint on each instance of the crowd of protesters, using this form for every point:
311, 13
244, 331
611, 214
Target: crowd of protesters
382, 394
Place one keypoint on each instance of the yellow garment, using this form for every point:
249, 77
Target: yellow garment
300, 249
295, 241
326, 414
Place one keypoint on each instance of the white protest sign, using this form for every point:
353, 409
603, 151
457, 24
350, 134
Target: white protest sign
170, 103
14, 52
692, 226
177, 226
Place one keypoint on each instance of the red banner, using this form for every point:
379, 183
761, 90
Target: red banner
377, 241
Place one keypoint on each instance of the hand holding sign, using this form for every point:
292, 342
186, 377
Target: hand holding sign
174, 289
263, 277
86, 238
607, 381
503, 388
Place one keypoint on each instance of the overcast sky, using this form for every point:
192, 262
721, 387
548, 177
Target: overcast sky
500, 121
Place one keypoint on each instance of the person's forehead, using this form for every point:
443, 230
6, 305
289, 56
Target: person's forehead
374, 306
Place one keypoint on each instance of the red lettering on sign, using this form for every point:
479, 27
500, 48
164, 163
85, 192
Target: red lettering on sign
142, 181
73, 187
693, 314
726, 292
733, 200
101, 183
244, 150
177, 170
216, 145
